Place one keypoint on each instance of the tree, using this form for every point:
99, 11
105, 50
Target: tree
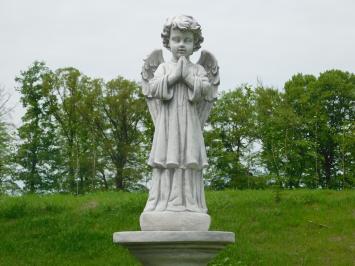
116, 117
65, 97
230, 136
7, 184
336, 98
38, 151
325, 107
268, 105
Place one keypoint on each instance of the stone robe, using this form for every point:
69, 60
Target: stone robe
178, 154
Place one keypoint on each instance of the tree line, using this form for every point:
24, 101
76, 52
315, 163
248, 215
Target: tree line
81, 134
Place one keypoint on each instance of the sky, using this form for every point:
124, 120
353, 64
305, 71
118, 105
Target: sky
254, 40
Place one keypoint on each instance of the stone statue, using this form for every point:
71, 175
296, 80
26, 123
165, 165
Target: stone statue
180, 95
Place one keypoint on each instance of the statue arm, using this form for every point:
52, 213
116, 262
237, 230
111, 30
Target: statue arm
159, 86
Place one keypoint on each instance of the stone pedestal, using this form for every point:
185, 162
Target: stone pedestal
174, 221
163, 248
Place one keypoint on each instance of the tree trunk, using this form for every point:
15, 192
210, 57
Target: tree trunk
102, 171
71, 170
72, 185
33, 172
119, 179
328, 165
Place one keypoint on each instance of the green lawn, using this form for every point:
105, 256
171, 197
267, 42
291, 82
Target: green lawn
301, 227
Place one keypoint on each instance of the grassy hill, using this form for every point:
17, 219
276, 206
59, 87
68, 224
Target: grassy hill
300, 227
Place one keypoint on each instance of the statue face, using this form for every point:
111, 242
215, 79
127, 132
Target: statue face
181, 43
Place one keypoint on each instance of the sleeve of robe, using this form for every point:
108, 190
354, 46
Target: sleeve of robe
202, 88
158, 86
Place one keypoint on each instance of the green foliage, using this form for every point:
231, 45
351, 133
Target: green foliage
81, 134
7, 184
38, 150
64, 96
115, 113
303, 227
229, 138
307, 132
324, 139
268, 105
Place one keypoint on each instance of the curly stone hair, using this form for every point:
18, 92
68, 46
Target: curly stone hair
184, 23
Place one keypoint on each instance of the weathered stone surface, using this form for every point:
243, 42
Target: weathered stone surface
174, 221
163, 248
180, 95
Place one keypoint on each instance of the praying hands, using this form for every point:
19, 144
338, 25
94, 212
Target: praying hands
182, 72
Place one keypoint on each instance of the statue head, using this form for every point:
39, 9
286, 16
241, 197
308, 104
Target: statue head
184, 29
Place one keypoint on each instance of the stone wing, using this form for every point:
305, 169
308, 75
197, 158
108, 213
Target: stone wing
209, 63
150, 65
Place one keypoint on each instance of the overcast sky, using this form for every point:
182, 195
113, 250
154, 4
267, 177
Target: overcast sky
255, 39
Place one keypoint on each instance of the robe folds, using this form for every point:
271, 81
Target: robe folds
178, 153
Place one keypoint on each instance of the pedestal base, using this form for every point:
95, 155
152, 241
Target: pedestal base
163, 248
174, 221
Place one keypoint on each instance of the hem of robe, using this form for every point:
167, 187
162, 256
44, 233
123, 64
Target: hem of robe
174, 199
176, 209
172, 165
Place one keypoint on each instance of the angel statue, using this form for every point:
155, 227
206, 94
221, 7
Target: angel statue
179, 95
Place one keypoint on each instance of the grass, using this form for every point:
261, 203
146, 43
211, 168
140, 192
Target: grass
299, 227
